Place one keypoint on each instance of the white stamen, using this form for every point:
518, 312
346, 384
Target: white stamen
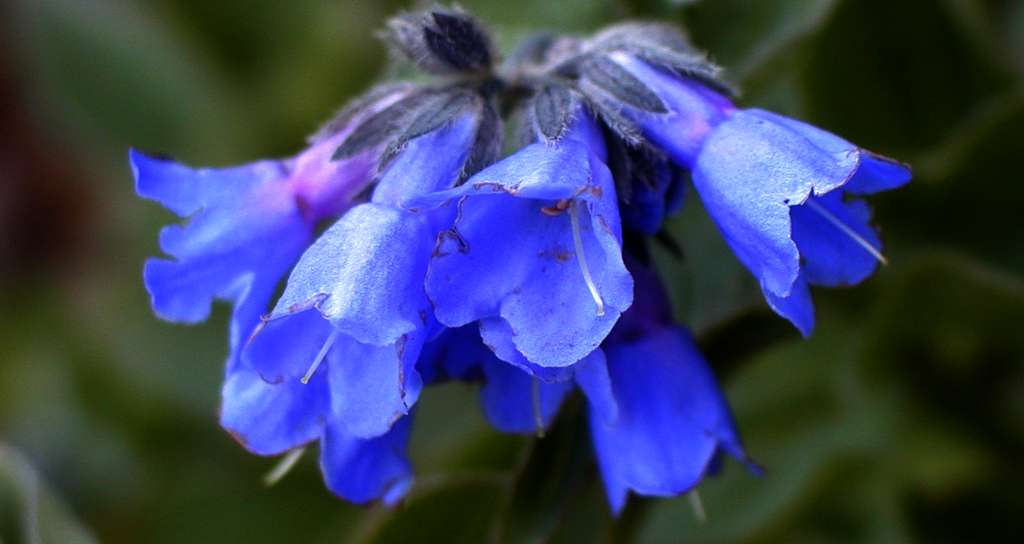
538, 419
581, 258
847, 230
698, 506
283, 467
320, 357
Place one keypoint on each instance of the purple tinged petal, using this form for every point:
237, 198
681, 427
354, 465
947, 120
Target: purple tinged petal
360, 470
325, 188
247, 226
672, 419
221, 251
269, 419
364, 279
694, 110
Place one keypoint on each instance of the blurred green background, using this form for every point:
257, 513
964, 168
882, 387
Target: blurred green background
901, 420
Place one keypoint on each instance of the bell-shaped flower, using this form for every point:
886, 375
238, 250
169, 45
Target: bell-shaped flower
354, 313
246, 225
783, 193
658, 421
666, 423
537, 244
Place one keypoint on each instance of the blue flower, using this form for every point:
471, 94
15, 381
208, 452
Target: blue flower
672, 422
783, 193
247, 225
658, 420
535, 251
336, 359
354, 312
515, 277
295, 382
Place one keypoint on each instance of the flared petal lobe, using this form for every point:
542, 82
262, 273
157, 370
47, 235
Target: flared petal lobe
246, 227
218, 253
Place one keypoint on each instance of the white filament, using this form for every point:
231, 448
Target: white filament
283, 467
698, 506
581, 258
320, 356
847, 230
538, 418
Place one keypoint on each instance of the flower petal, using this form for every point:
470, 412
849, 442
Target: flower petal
373, 386
876, 174
592, 376
508, 398
245, 232
429, 163
361, 470
750, 171
186, 190
284, 349
832, 257
496, 334
672, 418
796, 306
269, 419
694, 110
365, 274
370, 386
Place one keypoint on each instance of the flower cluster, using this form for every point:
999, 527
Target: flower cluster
442, 260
